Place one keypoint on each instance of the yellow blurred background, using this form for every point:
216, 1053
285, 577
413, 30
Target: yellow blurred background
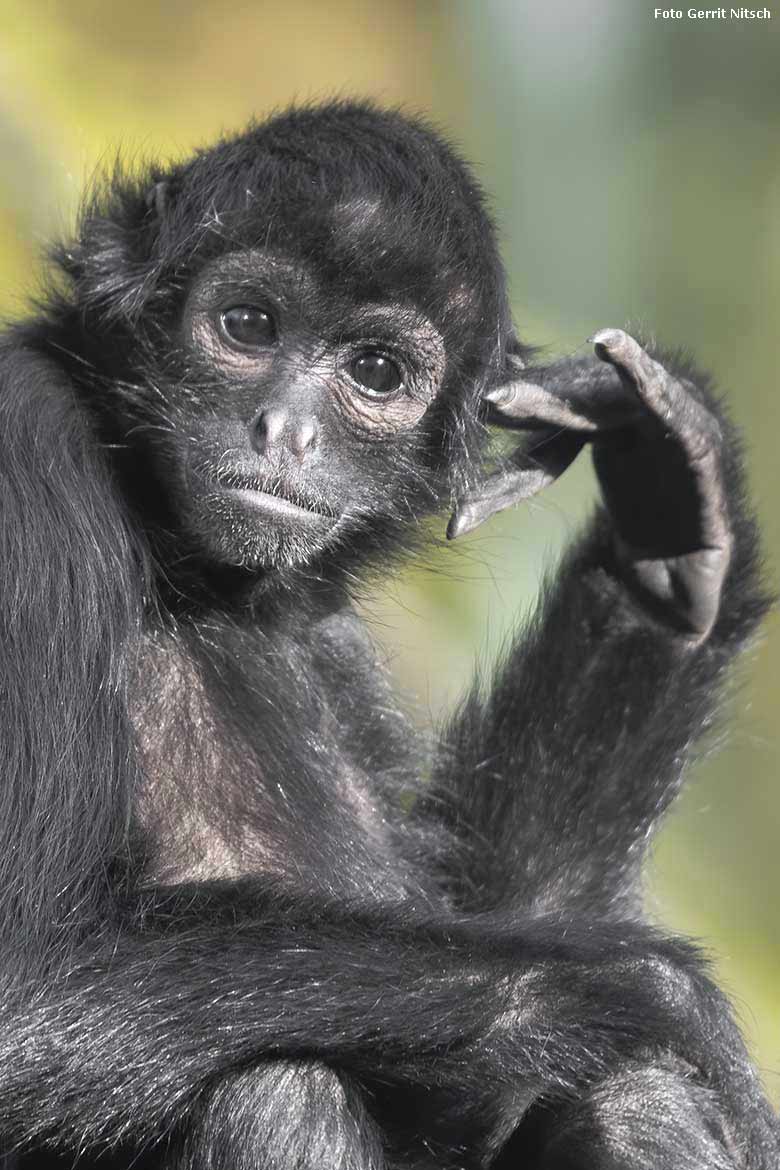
635, 174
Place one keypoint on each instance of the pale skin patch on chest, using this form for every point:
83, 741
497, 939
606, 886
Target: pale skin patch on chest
194, 806
183, 806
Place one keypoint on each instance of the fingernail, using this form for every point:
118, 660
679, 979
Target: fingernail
607, 337
455, 526
497, 395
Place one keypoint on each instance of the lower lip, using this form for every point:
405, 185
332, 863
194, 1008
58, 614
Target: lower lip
278, 507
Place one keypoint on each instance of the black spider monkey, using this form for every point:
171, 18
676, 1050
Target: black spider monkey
238, 931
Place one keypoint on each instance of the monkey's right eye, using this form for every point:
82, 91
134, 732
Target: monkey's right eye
377, 374
248, 326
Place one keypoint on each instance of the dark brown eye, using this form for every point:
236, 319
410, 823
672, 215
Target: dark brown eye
248, 326
376, 373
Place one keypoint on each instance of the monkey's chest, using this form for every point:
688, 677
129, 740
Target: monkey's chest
256, 783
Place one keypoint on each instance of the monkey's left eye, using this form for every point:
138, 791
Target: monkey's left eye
248, 326
376, 373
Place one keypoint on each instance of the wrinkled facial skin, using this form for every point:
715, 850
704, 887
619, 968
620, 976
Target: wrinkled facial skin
304, 417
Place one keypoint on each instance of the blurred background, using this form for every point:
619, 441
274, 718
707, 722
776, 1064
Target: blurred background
635, 174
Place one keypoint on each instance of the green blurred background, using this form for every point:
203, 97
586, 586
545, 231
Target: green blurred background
635, 175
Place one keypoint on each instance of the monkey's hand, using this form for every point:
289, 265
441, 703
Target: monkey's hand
658, 450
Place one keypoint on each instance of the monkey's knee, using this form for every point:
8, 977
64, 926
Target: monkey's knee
283, 1115
642, 1118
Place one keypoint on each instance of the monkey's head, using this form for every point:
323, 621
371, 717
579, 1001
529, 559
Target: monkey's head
297, 326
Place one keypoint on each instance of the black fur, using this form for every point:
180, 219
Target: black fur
238, 930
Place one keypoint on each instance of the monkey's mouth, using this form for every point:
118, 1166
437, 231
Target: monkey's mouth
277, 498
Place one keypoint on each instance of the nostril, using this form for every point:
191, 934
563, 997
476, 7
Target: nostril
304, 437
271, 428
266, 429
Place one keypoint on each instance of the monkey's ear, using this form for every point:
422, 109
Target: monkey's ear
117, 261
554, 441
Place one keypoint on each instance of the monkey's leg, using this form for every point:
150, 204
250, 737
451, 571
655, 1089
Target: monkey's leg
285, 1115
643, 1117
554, 782
658, 1110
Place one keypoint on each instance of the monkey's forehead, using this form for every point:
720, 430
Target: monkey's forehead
376, 202
363, 247
349, 154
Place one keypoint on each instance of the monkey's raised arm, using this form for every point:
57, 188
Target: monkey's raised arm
557, 778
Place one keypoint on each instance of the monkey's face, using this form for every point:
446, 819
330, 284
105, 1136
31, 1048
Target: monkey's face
305, 421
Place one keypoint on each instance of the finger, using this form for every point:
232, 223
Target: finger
645, 375
527, 404
583, 393
527, 472
663, 395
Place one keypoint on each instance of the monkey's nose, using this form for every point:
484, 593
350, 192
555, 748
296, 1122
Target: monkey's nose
274, 430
